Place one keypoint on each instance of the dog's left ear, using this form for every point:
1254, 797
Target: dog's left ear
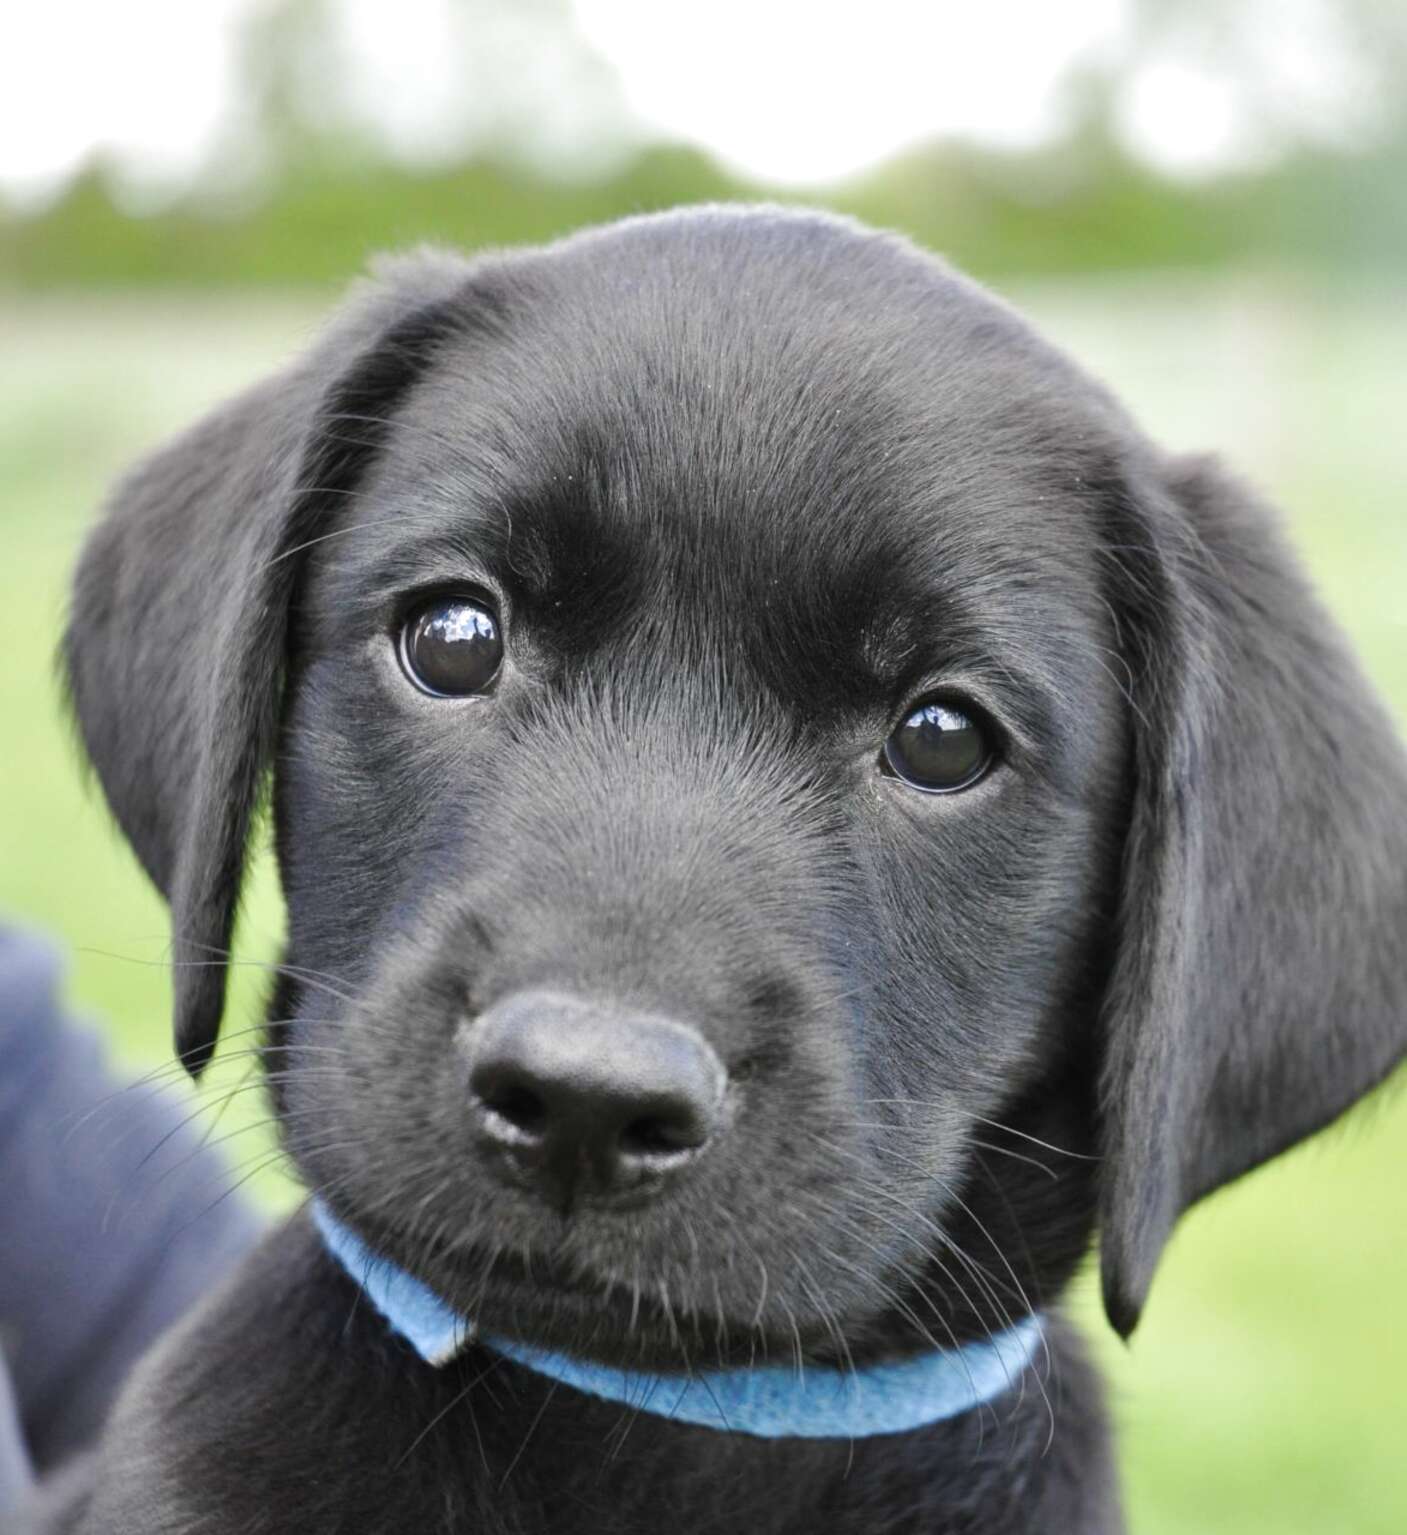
1260, 983
175, 642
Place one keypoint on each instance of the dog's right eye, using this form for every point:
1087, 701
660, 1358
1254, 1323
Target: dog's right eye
451, 646
939, 749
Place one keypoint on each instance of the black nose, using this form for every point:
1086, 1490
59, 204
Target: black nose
583, 1096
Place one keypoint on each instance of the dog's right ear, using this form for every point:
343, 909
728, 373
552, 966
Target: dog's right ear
175, 643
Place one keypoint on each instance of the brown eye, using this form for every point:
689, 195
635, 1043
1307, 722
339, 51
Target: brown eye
938, 749
451, 646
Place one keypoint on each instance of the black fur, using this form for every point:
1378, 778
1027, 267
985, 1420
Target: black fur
745, 484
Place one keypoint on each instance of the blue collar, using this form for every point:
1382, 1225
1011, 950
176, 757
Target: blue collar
770, 1401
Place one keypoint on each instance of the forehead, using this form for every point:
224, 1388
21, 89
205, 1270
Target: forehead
819, 437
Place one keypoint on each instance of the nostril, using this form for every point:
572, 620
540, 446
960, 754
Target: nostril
668, 1124
515, 1105
657, 1135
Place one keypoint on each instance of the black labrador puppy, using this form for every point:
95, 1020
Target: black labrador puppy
792, 814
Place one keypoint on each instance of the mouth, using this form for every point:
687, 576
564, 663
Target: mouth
546, 1301
538, 1300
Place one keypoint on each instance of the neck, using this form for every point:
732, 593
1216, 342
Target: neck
769, 1401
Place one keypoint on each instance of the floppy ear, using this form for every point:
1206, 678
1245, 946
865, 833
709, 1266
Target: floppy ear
1260, 985
175, 641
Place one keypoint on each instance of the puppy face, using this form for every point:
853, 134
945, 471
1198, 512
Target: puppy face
720, 582
781, 794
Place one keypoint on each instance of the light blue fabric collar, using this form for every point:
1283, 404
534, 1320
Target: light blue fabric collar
770, 1401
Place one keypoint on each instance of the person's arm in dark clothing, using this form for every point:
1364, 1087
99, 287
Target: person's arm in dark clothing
112, 1220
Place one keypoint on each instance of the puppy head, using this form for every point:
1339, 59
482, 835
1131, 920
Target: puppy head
789, 808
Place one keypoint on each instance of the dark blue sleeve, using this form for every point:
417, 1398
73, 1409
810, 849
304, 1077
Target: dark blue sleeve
111, 1219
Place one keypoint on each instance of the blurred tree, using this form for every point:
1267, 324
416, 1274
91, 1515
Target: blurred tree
345, 81
1262, 78
356, 125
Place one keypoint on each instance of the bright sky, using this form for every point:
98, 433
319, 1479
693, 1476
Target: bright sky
817, 91
800, 91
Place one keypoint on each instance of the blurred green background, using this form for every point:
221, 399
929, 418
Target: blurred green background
1209, 209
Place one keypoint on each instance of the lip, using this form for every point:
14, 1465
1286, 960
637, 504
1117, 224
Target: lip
540, 1275
508, 1283
527, 1298
608, 1323
541, 1301
538, 1301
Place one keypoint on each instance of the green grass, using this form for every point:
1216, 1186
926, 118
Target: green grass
1266, 1392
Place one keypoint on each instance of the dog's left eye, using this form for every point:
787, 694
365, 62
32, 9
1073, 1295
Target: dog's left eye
938, 748
451, 646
